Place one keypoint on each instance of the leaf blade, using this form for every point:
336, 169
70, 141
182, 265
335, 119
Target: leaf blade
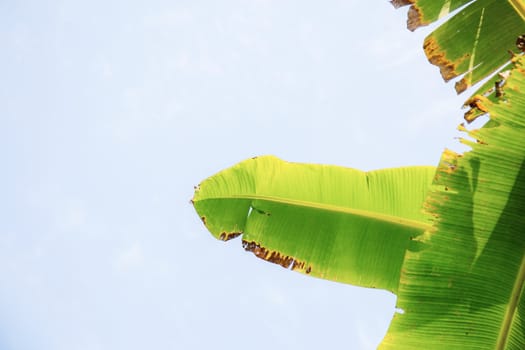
475, 42
301, 216
465, 289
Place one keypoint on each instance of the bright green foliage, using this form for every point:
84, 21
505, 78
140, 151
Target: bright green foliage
330, 222
459, 282
465, 289
475, 42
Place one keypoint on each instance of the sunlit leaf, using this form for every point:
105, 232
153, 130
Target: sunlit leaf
465, 289
475, 42
330, 222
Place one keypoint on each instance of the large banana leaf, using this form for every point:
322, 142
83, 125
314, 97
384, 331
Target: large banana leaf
330, 222
475, 42
465, 288
461, 284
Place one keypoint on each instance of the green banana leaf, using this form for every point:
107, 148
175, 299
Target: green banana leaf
329, 222
460, 282
465, 288
475, 42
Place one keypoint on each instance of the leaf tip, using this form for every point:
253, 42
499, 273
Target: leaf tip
461, 86
414, 19
436, 56
478, 107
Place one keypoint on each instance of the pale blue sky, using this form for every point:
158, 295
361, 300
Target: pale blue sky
110, 113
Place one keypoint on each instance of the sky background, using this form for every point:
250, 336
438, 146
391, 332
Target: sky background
110, 113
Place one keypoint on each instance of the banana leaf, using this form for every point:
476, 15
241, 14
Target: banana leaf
465, 288
326, 221
475, 42
460, 282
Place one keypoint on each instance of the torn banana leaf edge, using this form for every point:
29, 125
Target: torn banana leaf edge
473, 43
465, 289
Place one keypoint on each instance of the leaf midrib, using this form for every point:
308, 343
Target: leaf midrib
337, 208
511, 307
519, 6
